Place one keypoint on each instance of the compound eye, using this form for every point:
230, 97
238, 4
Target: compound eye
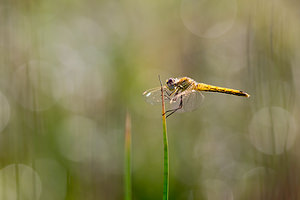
170, 81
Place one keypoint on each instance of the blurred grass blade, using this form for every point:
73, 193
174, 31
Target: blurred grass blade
128, 157
166, 149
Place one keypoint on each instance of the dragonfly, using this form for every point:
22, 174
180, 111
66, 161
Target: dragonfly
184, 94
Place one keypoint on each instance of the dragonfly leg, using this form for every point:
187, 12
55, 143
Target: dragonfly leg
175, 91
174, 110
168, 97
167, 93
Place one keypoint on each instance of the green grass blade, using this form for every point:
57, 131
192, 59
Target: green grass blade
128, 158
166, 150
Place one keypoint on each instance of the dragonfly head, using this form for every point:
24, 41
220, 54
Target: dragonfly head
171, 84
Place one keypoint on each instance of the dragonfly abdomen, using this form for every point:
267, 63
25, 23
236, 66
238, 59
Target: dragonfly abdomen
211, 88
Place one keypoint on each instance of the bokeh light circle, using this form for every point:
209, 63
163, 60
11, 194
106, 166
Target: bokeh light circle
19, 181
272, 130
33, 85
53, 177
253, 180
80, 140
215, 189
78, 80
208, 18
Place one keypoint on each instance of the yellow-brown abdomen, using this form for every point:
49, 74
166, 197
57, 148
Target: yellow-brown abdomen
211, 88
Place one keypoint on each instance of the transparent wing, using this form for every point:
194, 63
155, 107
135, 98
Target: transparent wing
153, 96
191, 100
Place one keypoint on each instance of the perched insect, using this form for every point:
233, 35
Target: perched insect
184, 94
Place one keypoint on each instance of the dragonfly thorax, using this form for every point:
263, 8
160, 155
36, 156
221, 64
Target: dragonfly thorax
181, 83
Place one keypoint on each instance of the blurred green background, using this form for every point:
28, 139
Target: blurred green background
70, 70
